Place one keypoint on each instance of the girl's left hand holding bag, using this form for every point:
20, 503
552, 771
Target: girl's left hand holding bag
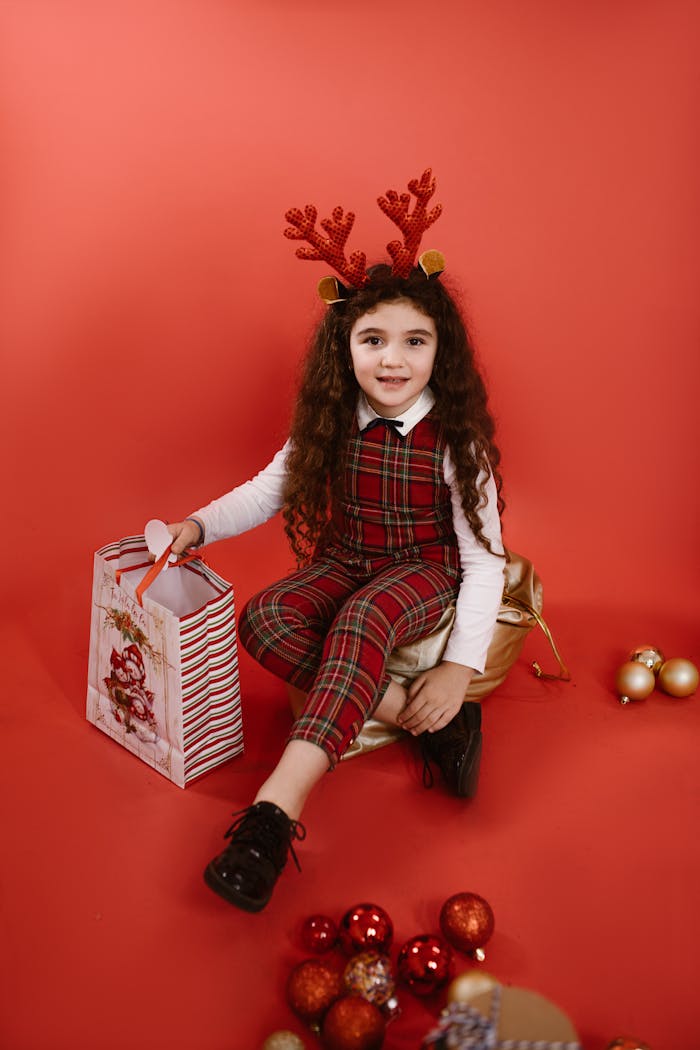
435, 697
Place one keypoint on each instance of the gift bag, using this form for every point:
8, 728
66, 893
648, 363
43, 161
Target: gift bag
502, 1018
163, 668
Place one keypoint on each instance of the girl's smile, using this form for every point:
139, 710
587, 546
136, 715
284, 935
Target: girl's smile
393, 350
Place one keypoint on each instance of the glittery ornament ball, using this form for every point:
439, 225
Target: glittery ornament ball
283, 1041
352, 1023
679, 677
467, 922
424, 964
649, 655
369, 974
318, 934
364, 927
312, 986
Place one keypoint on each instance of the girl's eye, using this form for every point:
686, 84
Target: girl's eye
373, 340
416, 340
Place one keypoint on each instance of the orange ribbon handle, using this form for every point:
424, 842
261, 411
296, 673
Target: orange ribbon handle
154, 570
118, 573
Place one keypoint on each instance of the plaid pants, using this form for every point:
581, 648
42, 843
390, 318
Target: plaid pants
328, 630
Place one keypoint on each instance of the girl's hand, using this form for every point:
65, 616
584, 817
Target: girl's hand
435, 697
185, 534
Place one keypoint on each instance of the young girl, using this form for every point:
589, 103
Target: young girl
388, 486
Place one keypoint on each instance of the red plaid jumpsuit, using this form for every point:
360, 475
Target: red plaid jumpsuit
389, 572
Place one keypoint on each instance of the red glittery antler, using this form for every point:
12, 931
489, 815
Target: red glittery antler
412, 226
331, 248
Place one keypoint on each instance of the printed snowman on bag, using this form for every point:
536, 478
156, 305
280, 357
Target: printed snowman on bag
131, 702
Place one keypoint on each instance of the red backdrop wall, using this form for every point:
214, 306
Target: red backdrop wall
152, 316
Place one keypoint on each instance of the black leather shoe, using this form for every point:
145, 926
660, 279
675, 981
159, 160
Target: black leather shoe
246, 872
456, 750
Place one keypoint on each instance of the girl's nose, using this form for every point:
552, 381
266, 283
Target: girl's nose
391, 358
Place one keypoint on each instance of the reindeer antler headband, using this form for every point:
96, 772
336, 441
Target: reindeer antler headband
354, 270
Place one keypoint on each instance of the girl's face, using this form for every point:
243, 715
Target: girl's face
393, 349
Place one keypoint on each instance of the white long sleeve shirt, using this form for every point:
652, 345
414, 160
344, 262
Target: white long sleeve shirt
479, 596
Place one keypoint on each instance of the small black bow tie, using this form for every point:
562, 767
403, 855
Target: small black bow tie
391, 424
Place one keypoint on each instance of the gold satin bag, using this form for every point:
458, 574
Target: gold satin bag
521, 609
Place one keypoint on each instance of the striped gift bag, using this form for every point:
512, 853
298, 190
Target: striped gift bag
163, 668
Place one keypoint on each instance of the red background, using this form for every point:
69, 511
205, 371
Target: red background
152, 319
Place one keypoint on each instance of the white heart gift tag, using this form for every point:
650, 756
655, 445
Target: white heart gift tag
158, 539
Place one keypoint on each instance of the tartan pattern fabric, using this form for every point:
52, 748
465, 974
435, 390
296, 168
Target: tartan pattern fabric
395, 505
329, 632
385, 579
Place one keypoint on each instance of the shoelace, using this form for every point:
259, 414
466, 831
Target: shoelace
428, 778
264, 833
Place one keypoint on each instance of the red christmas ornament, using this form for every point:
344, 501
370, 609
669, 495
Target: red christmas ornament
319, 934
312, 986
466, 921
424, 964
352, 1023
365, 926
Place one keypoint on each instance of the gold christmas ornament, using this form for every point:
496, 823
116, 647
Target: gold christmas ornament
283, 1041
469, 984
649, 655
634, 681
679, 677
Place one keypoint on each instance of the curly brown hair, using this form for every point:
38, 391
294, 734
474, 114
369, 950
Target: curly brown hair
327, 400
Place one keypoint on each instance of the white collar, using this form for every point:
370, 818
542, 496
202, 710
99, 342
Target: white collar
418, 410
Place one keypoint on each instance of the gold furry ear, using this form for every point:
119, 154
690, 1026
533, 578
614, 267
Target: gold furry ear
331, 290
432, 263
